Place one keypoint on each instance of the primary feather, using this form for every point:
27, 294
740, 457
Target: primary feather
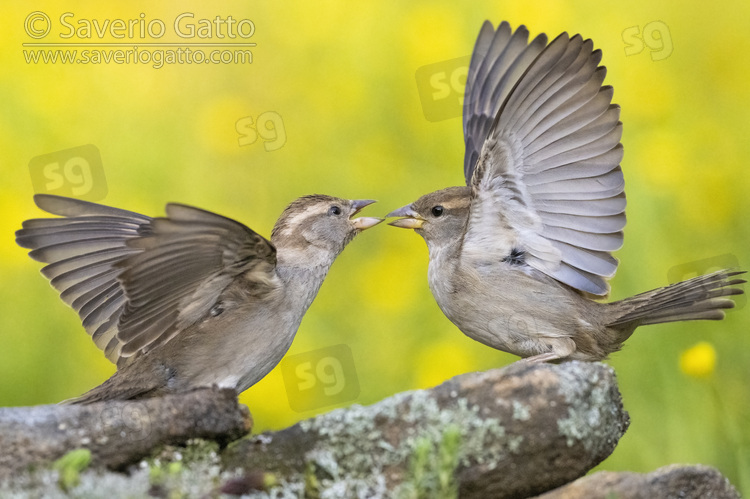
103, 261
546, 180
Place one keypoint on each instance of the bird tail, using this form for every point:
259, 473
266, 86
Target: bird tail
700, 298
119, 387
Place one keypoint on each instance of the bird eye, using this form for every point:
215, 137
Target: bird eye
334, 210
437, 211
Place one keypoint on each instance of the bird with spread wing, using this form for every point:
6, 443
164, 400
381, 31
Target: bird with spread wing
193, 298
518, 255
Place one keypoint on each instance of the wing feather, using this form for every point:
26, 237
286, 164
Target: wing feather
499, 60
129, 276
602, 225
547, 179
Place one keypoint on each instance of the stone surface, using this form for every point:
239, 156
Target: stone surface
117, 433
683, 482
510, 432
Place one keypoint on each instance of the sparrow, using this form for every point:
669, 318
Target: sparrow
193, 298
519, 255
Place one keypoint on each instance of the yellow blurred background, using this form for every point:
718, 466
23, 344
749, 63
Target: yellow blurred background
333, 87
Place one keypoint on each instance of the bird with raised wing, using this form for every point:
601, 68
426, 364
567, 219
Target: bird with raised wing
191, 299
518, 255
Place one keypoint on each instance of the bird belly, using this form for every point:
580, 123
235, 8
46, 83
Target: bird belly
236, 352
508, 310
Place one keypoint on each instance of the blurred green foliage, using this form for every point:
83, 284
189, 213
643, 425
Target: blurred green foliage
342, 79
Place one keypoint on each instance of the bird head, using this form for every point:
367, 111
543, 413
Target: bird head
440, 217
325, 224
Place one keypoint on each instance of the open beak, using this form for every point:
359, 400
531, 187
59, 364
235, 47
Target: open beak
362, 223
410, 221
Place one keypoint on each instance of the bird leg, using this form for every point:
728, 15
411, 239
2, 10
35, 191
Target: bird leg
542, 357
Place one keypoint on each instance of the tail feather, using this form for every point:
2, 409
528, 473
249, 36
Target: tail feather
701, 298
123, 385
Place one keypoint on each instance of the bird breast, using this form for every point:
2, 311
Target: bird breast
503, 306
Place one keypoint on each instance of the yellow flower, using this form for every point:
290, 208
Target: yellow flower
699, 360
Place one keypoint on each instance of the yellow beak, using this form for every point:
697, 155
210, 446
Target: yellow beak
362, 223
411, 219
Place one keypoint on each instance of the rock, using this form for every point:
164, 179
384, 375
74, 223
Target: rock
523, 430
510, 432
684, 482
117, 433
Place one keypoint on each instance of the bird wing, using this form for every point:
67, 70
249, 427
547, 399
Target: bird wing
497, 63
137, 281
547, 182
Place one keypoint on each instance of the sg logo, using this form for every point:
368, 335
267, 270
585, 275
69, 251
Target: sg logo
518, 327
269, 126
706, 266
441, 88
655, 36
133, 421
75, 172
320, 378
